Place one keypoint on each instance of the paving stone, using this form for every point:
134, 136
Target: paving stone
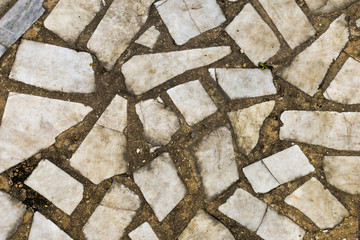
247, 123
160, 184
69, 18
328, 6
193, 101
116, 30
308, 69
149, 37
56, 185
54, 68
113, 215
358, 23
204, 227
159, 123
144, 72
11, 215
260, 178
249, 30
244, 82
143, 232
318, 204
189, 18
31, 123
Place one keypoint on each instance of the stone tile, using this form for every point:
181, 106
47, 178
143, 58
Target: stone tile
115, 115
308, 69
189, 18
244, 82
160, 184
249, 30
247, 123
143, 232
113, 215
116, 30
53, 68
358, 23
159, 123
77, 14
43, 228
343, 172
144, 72
204, 227
11, 215
193, 101
318, 204
328, 6
260, 178
31, 123
149, 37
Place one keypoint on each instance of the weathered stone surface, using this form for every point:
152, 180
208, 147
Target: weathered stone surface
249, 30
309, 67
56, 185
149, 37
358, 23
143, 232
144, 72
260, 178
318, 204
247, 123
327, 6
54, 68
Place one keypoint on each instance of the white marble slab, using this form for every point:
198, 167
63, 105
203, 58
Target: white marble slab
327, 6
260, 178
149, 37
143, 232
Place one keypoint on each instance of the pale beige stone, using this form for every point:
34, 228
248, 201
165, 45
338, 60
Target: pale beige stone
143, 232
327, 6
149, 37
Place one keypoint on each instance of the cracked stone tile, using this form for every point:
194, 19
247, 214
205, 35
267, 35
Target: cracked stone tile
113, 215
318, 204
149, 37
249, 30
159, 123
187, 19
342, 172
11, 215
116, 30
143, 232
43, 228
160, 184
215, 159
204, 227
102, 154
193, 101
260, 177
17, 20
247, 123
144, 72
56, 185
308, 69
244, 83
31, 123
53, 68
327, 6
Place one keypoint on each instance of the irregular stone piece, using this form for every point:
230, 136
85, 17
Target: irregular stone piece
119, 26
247, 123
328, 6
160, 184
308, 69
54, 68
260, 178
144, 72
31, 123
204, 227
249, 30
143, 232
244, 82
193, 101
216, 162
189, 18
149, 37
56, 185
318, 204
113, 215
358, 23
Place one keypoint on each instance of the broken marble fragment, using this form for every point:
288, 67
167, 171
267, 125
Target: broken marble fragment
327, 6
308, 69
260, 177
249, 31
143, 232
53, 68
358, 23
149, 37
144, 72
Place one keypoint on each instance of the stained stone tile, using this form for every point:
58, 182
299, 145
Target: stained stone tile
247, 123
56, 185
308, 69
143, 232
189, 18
144, 72
244, 82
31, 123
318, 204
54, 68
160, 184
204, 227
149, 37
328, 6
260, 178
116, 30
249, 30
113, 215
